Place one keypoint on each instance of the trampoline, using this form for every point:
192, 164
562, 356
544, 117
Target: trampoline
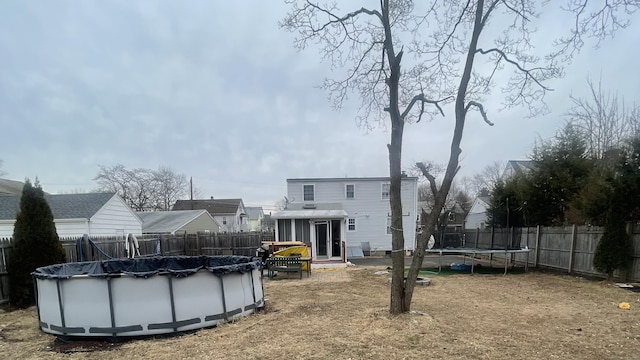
474, 251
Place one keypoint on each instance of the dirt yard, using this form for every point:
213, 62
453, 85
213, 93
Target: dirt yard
343, 315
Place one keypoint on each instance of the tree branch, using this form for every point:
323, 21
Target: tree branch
527, 72
341, 20
420, 97
480, 108
431, 178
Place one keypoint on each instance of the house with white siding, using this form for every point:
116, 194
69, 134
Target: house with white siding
477, 216
331, 214
255, 215
94, 214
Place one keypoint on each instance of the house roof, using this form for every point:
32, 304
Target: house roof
168, 221
485, 199
11, 187
304, 211
63, 206
254, 212
347, 179
521, 166
213, 206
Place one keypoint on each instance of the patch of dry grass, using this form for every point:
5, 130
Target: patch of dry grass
532, 316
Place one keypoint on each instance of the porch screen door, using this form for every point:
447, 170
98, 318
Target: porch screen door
321, 239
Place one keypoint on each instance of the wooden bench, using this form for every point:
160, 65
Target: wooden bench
283, 264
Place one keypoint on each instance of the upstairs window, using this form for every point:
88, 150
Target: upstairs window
308, 192
350, 191
385, 191
224, 220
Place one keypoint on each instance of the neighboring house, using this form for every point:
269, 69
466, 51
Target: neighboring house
452, 217
178, 222
230, 214
325, 212
517, 167
11, 187
255, 214
477, 216
95, 214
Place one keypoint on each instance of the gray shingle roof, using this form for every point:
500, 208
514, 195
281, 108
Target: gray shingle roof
63, 206
213, 206
167, 221
11, 187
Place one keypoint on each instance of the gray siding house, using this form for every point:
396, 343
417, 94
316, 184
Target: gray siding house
327, 212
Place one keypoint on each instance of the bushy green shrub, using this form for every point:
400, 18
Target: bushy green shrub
35, 244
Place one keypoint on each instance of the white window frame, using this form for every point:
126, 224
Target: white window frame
313, 195
355, 227
388, 225
224, 220
382, 192
346, 191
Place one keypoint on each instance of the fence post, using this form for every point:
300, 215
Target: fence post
477, 236
535, 264
573, 248
527, 246
491, 246
81, 250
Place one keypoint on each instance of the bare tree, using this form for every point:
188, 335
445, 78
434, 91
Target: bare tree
2, 172
603, 119
484, 181
170, 186
444, 37
143, 189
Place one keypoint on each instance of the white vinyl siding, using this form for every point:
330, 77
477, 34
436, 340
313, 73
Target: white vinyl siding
385, 189
351, 224
113, 216
349, 191
308, 192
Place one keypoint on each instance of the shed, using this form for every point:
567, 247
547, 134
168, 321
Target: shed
178, 222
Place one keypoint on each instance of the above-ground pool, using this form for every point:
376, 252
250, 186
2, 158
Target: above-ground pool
146, 296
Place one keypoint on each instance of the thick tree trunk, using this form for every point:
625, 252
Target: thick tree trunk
397, 235
395, 200
395, 169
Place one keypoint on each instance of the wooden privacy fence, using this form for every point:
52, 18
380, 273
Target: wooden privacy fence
102, 248
569, 248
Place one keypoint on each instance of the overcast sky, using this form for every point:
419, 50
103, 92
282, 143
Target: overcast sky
215, 90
